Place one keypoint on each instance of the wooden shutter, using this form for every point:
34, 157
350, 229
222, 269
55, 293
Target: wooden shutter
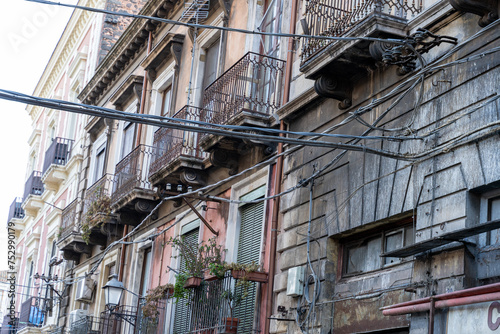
182, 316
249, 246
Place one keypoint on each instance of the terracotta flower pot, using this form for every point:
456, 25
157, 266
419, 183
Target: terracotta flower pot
192, 282
210, 278
253, 276
232, 325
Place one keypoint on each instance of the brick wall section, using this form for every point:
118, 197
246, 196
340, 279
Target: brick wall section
113, 26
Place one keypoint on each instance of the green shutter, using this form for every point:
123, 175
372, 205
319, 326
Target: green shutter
249, 245
181, 319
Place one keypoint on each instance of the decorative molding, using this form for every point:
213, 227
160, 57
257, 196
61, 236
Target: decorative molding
335, 87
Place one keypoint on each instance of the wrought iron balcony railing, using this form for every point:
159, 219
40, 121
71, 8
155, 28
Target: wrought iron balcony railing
253, 84
33, 312
153, 324
16, 211
132, 172
208, 310
100, 190
58, 153
335, 18
9, 325
122, 320
171, 144
34, 185
68, 220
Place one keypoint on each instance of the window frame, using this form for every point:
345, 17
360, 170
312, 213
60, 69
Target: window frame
381, 233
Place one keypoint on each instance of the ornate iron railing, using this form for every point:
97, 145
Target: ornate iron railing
334, 18
32, 313
131, 172
252, 84
34, 185
153, 324
100, 189
171, 144
122, 320
68, 220
58, 153
209, 311
16, 211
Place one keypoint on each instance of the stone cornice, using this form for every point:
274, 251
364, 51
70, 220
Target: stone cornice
125, 49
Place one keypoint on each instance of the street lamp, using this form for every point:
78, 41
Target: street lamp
113, 291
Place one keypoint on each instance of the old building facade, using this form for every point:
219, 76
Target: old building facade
373, 210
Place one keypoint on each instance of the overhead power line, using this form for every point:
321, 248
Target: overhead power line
186, 125
206, 26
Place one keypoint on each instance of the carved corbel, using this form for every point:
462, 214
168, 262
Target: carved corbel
79, 247
335, 88
176, 51
225, 159
193, 177
487, 9
70, 255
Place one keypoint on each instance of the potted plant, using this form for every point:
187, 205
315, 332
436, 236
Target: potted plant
99, 212
248, 272
233, 299
215, 271
197, 258
150, 308
180, 291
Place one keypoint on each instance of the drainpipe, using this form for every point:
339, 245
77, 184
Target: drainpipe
279, 172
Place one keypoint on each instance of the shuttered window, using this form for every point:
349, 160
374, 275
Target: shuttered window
182, 316
249, 246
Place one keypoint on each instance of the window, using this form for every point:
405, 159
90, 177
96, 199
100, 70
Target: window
127, 139
493, 213
146, 272
211, 63
271, 23
166, 97
363, 254
100, 158
28, 281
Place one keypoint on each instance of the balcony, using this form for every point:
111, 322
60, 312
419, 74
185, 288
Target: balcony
178, 157
122, 321
97, 219
248, 93
336, 66
208, 311
33, 311
33, 190
56, 157
132, 192
70, 240
16, 215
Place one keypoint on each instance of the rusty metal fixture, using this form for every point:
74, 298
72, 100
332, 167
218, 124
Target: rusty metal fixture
171, 144
335, 18
252, 84
406, 55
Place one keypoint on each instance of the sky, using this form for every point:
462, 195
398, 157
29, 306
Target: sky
28, 34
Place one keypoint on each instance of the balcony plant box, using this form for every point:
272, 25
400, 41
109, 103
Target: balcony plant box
192, 282
232, 325
253, 276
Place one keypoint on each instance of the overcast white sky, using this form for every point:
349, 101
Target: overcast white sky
28, 34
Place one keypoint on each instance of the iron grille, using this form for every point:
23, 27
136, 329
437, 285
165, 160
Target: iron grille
334, 18
58, 153
34, 185
101, 187
253, 84
156, 324
68, 220
16, 211
131, 172
209, 311
122, 320
171, 144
